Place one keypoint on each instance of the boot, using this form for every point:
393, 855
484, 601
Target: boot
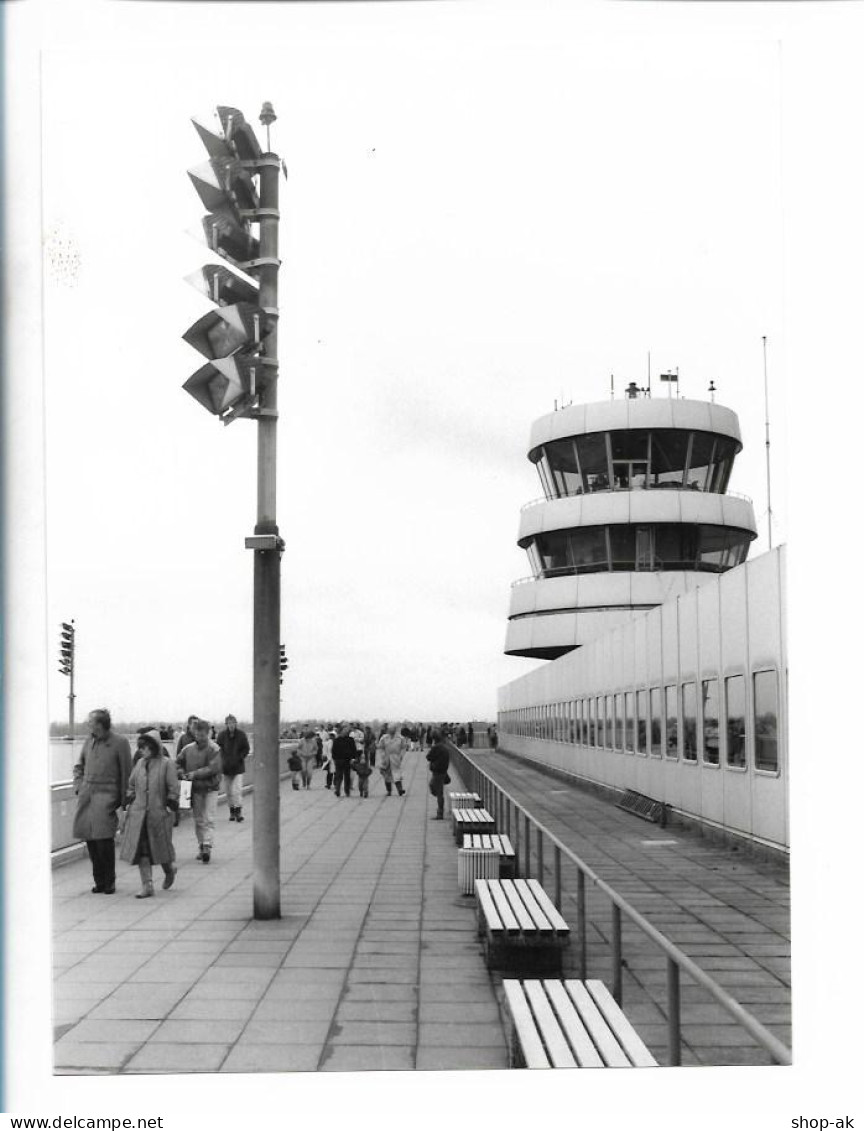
238, 814
146, 870
388, 785
170, 871
205, 853
399, 789
233, 816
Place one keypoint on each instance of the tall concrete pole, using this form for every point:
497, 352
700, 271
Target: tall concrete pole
265, 830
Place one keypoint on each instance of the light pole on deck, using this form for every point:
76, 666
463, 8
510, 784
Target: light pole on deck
239, 380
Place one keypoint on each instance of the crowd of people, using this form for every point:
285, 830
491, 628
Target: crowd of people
141, 795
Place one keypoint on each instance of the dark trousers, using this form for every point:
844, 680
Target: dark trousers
102, 858
343, 773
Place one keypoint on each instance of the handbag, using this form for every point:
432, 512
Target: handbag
185, 801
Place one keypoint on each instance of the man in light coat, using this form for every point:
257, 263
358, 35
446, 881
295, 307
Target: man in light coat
101, 775
200, 762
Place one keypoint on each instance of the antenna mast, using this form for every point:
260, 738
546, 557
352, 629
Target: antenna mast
767, 437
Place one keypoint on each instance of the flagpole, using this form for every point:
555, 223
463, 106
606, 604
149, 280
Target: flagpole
767, 437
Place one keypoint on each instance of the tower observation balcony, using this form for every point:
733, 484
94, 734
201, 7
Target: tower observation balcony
635, 510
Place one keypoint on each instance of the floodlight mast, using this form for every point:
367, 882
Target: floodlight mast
267, 579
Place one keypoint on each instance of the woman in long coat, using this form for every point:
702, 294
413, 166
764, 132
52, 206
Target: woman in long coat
153, 793
391, 747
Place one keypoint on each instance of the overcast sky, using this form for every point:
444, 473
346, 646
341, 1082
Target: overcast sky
489, 206
473, 226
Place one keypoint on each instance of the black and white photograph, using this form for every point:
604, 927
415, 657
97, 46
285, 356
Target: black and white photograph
419, 634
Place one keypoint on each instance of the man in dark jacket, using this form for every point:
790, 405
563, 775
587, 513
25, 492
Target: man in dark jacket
234, 746
439, 763
100, 775
343, 753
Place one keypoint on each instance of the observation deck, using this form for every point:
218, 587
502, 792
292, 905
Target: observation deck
635, 510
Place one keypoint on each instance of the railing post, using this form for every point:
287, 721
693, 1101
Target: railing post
515, 833
673, 999
527, 872
581, 919
557, 857
540, 856
617, 972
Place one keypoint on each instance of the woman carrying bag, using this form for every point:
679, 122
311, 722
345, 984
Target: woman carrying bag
152, 794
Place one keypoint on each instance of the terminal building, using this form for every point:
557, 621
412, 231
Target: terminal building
667, 647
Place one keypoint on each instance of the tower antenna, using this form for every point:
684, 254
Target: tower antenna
767, 438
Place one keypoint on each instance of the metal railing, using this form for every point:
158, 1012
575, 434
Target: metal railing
509, 815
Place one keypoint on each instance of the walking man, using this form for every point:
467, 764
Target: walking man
344, 752
233, 745
392, 746
101, 775
201, 763
439, 763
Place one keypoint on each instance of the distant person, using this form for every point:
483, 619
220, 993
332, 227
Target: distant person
101, 775
493, 738
363, 771
233, 745
359, 737
470, 736
461, 736
152, 793
187, 736
344, 752
391, 748
439, 763
201, 763
295, 765
369, 745
327, 757
308, 754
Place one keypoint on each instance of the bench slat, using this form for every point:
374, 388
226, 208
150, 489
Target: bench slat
523, 915
557, 1048
486, 841
580, 1041
601, 1034
529, 1038
627, 1036
506, 846
548, 907
490, 913
532, 906
509, 920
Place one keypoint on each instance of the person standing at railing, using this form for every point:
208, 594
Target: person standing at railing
470, 736
439, 763
101, 775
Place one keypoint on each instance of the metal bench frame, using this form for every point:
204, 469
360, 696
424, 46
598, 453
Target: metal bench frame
520, 927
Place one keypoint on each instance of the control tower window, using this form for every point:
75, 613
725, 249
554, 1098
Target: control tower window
701, 457
724, 456
668, 457
588, 549
560, 455
594, 461
629, 458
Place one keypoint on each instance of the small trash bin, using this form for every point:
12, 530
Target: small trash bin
476, 864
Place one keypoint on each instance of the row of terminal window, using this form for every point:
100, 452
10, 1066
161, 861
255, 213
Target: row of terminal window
689, 721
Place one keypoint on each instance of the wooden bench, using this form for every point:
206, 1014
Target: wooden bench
501, 844
463, 801
521, 928
569, 1024
473, 821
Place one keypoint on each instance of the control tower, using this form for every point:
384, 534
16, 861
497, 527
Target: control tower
635, 511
